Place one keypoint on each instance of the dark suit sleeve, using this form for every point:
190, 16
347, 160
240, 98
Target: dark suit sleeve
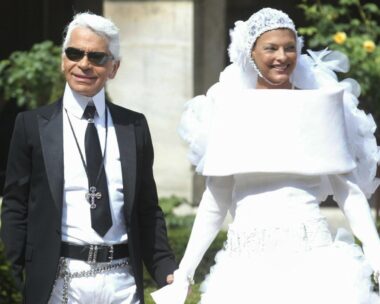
14, 206
156, 251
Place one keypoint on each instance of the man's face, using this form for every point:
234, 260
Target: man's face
83, 76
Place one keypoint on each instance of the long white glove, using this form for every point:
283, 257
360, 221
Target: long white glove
212, 211
357, 211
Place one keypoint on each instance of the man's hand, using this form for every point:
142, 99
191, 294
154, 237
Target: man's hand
170, 279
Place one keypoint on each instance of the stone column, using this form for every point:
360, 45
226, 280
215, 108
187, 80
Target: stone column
209, 56
209, 42
156, 78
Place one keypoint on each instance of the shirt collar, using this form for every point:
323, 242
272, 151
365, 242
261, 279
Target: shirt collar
76, 103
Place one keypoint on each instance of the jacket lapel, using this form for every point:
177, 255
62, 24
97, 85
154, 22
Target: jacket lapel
50, 125
125, 133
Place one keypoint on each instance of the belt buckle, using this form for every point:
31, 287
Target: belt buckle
110, 251
92, 254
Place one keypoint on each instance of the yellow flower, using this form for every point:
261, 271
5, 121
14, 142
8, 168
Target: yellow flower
340, 37
369, 46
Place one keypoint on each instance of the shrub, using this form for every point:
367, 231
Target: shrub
8, 292
32, 78
352, 28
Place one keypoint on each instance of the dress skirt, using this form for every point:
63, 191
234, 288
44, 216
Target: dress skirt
294, 262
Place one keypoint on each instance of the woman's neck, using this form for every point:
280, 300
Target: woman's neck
263, 84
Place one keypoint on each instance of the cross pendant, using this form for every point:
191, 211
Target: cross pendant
92, 195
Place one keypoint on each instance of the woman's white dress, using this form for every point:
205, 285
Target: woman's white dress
279, 248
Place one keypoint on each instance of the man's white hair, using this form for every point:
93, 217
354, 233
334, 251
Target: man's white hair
99, 25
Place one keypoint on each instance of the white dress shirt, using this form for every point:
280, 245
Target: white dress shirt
76, 217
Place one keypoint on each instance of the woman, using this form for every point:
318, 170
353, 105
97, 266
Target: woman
274, 137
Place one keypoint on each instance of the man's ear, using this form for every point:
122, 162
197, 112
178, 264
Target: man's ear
115, 67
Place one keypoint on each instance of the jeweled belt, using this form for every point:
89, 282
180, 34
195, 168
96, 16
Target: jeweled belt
291, 237
101, 258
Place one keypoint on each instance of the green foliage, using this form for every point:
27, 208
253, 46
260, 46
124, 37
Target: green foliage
172, 221
352, 28
168, 204
32, 78
8, 292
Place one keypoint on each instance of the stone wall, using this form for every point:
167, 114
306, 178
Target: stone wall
156, 78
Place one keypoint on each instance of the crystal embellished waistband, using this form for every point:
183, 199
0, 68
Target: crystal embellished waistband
297, 237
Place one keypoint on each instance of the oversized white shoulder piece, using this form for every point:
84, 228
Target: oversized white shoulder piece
317, 70
279, 131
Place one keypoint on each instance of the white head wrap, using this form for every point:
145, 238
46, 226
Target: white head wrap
245, 34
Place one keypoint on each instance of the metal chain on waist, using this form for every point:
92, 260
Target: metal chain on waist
66, 275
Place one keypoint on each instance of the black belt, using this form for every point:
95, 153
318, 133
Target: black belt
94, 253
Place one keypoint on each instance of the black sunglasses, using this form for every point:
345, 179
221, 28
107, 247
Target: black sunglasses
96, 58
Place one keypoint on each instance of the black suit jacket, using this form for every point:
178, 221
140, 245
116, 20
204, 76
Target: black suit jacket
32, 203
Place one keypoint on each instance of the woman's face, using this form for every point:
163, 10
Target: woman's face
275, 55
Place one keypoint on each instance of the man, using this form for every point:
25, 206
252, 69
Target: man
80, 211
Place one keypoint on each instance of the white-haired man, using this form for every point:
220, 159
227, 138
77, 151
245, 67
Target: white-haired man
80, 212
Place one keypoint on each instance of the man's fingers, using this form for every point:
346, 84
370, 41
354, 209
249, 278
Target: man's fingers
170, 279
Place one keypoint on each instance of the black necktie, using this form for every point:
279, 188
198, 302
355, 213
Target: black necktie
101, 220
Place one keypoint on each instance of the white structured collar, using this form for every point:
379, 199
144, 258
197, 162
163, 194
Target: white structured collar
76, 103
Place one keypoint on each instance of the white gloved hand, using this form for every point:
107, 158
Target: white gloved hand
211, 213
174, 293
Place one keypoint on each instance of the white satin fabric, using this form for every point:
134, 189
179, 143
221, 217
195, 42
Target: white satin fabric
115, 286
